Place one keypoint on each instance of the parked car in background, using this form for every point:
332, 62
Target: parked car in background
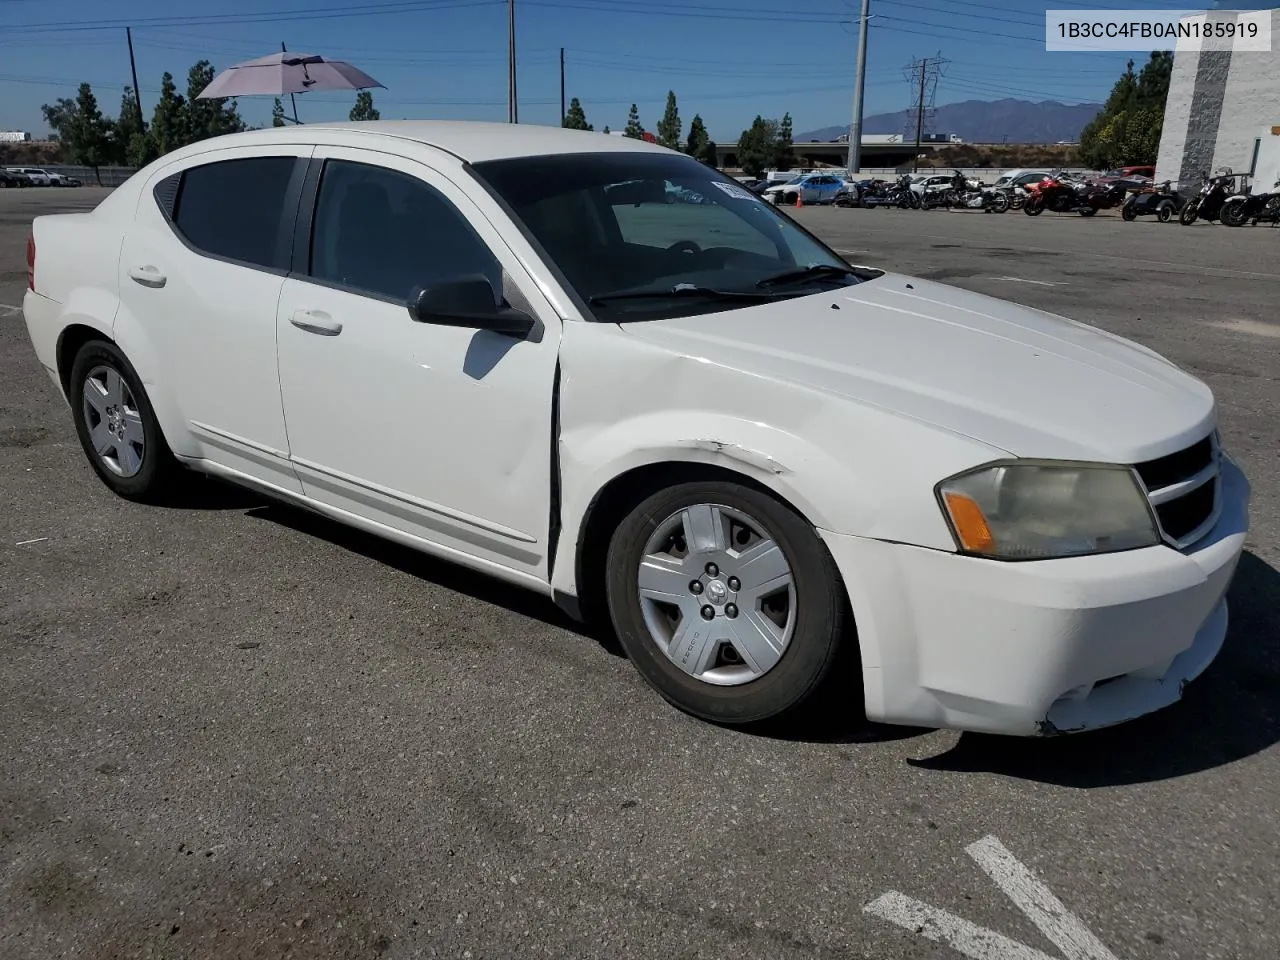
42, 177
36, 175
12, 178
502, 346
812, 187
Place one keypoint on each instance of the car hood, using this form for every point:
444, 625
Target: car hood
1022, 380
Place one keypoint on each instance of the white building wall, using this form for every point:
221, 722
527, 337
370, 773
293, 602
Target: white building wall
1252, 101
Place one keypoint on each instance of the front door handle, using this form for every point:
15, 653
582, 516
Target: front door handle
148, 276
316, 321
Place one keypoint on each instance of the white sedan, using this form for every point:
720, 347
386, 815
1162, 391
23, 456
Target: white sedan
501, 345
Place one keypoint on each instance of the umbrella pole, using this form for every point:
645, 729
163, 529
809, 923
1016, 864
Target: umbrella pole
292, 100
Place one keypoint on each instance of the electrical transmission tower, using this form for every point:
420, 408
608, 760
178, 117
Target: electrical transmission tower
923, 76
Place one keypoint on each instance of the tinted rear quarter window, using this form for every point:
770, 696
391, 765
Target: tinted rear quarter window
235, 208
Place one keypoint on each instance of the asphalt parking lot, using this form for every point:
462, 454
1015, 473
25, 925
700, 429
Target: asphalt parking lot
233, 730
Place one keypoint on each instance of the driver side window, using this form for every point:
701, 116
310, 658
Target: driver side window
382, 233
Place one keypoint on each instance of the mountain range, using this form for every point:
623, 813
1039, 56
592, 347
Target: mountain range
980, 121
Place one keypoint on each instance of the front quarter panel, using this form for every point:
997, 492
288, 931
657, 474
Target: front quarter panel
850, 468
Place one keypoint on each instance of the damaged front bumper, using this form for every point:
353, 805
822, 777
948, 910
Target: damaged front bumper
1042, 647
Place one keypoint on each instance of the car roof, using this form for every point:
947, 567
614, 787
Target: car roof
473, 141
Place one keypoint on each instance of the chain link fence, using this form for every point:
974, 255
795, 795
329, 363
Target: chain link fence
111, 176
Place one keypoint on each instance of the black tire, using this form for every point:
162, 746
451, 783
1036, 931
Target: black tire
159, 476
1033, 207
822, 617
1128, 213
1088, 211
1232, 213
1000, 203
1189, 214
1165, 212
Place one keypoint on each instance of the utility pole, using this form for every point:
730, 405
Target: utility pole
921, 72
915, 165
859, 85
292, 100
133, 68
513, 113
562, 113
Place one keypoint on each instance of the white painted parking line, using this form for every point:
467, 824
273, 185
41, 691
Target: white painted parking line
1041, 283
6, 310
1028, 893
1256, 327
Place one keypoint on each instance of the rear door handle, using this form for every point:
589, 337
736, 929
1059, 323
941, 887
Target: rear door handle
316, 321
148, 276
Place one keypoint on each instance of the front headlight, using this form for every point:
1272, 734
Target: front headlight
1031, 510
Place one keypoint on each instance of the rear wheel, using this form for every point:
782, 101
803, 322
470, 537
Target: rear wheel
1232, 213
1127, 212
117, 426
1088, 211
1033, 207
726, 601
1164, 213
1000, 203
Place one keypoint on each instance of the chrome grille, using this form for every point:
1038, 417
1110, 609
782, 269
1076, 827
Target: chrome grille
1183, 487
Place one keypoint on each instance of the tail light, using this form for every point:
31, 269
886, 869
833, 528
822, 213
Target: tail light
31, 262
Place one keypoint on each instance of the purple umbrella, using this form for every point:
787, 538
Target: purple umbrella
281, 73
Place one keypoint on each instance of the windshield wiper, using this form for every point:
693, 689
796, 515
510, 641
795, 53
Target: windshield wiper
683, 290
816, 271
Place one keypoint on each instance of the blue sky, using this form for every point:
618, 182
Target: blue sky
725, 59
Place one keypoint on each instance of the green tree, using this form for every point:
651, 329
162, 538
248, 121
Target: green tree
782, 149
575, 117
758, 146
60, 116
207, 118
634, 130
277, 113
127, 126
669, 125
168, 122
1130, 122
90, 133
364, 108
700, 146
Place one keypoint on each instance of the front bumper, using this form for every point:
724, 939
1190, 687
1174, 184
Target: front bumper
1040, 647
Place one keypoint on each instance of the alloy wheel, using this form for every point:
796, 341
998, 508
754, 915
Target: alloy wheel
115, 425
717, 594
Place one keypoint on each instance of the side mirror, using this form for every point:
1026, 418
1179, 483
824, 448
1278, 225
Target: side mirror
468, 302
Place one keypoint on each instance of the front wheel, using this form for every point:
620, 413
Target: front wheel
1000, 203
1189, 213
1128, 212
1034, 207
1164, 213
726, 601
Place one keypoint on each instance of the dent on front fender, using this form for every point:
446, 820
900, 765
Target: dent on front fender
627, 403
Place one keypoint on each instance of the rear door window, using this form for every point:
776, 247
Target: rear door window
235, 209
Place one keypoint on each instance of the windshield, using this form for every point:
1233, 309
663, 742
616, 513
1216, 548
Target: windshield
624, 229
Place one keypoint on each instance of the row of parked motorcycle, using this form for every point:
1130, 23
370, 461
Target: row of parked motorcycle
1218, 198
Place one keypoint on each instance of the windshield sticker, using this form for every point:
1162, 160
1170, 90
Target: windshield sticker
735, 191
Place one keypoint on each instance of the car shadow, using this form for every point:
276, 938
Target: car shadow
442, 573
199, 491
1229, 713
